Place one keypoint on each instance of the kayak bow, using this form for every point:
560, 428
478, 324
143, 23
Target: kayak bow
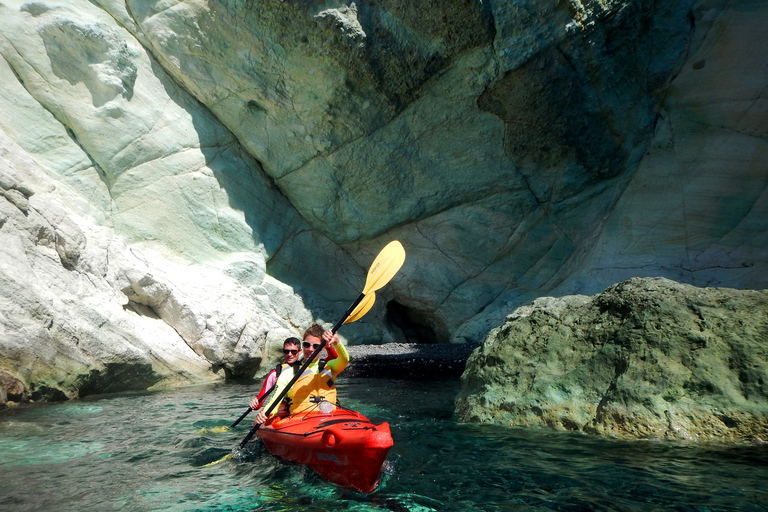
343, 446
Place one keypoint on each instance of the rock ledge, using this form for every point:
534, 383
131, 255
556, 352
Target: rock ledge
416, 361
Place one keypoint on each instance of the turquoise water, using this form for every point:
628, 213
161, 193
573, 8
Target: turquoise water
141, 452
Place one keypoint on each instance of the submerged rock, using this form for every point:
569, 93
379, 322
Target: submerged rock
646, 358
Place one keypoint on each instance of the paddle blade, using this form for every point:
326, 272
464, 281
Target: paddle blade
385, 266
213, 430
210, 464
365, 305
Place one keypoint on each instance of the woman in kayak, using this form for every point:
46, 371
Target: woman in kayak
316, 387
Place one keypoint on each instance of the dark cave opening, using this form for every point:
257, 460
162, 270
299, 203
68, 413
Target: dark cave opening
410, 323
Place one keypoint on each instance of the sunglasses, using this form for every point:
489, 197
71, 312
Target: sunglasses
313, 345
290, 351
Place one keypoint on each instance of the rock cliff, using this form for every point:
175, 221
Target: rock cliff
646, 358
186, 182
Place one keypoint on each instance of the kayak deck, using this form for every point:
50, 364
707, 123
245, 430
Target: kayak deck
343, 446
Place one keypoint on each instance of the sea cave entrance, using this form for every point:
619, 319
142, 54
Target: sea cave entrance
413, 326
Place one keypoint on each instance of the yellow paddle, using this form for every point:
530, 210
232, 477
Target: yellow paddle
365, 305
382, 270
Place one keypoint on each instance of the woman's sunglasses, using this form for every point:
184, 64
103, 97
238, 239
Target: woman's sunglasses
313, 345
290, 351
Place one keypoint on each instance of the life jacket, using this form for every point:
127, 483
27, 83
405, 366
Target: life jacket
283, 378
317, 384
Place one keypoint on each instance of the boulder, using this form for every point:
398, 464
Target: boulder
11, 389
646, 358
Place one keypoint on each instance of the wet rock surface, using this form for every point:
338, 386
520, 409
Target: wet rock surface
646, 358
413, 361
11, 389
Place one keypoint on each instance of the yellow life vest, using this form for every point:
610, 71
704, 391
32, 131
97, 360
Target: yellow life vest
284, 376
317, 383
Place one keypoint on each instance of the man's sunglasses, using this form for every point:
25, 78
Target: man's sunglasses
313, 345
290, 351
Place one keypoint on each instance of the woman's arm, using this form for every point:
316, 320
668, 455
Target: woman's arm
342, 357
269, 382
331, 352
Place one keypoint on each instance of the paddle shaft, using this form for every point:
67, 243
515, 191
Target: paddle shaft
349, 312
240, 418
306, 364
269, 392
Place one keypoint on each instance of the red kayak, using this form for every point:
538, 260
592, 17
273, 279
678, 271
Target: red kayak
342, 445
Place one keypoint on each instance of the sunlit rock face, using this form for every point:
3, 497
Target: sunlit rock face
234, 167
513, 148
82, 312
135, 231
646, 358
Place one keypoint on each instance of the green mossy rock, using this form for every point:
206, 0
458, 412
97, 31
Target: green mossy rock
646, 358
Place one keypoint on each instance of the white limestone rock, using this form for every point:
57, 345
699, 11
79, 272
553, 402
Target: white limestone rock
123, 213
696, 207
515, 149
87, 302
495, 139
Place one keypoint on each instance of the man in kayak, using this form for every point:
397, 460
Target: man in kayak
316, 387
278, 378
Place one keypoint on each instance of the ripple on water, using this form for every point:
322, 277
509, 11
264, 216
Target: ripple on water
29, 452
139, 452
79, 410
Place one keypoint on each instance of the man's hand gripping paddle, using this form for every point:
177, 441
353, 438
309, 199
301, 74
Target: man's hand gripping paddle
382, 270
